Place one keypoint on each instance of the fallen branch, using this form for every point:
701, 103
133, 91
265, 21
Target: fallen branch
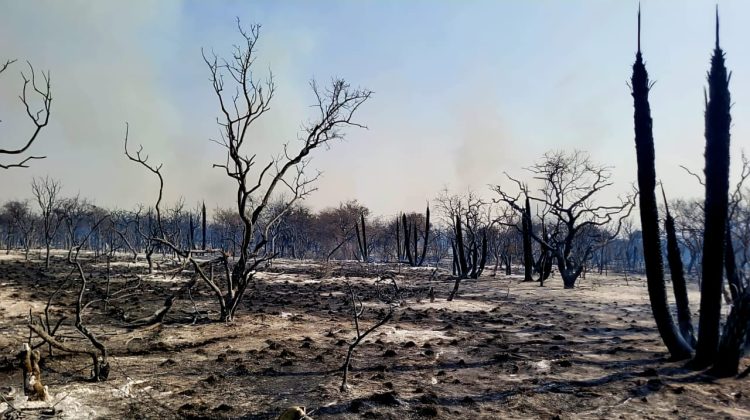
66, 347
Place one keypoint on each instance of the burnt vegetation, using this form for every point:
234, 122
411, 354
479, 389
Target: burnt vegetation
526, 299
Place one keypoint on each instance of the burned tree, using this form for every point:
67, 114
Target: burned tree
241, 104
718, 123
684, 319
203, 226
336, 107
362, 238
73, 212
25, 221
526, 227
407, 248
569, 184
97, 351
644, 142
722, 351
544, 263
39, 117
47, 193
158, 237
358, 309
468, 217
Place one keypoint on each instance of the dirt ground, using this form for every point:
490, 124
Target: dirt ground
502, 349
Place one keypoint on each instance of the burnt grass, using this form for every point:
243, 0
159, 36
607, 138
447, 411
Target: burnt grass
502, 349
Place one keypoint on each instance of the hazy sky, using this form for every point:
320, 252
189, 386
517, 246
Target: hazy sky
464, 90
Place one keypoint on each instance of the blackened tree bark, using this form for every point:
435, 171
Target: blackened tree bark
684, 319
732, 342
718, 121
528, 258
644, 145
203, 224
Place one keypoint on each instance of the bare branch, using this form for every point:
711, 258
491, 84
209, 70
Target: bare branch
39, 117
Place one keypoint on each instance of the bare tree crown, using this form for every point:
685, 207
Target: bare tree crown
38, 116
242, 99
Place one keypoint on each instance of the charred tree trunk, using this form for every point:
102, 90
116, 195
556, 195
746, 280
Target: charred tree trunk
416, 257
463, 266
684, 319
528, 258
545, 259
46, 258
407, 236
718, 122
399, 255
569, 275
455, 265
733, 339
411, 240
203, 224
426, 236
149, 259
362, 241
191, 238
483, 256
644, 144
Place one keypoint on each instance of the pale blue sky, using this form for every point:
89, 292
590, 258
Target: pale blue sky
464, 90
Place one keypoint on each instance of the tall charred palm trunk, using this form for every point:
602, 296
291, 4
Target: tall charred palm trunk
462, 264
644, 145
528, 258
407, 236
426, 236
411, 238
203, 227
684, 319
399, 255
718, 121
460, 267
362, 239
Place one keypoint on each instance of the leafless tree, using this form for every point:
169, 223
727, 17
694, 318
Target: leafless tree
228, 228
73, 212
38, 116
47, 193
97, 351
24, 220
569, 183
241, 103
240, 107
468, 216
688, 215
358, 309
337, 229
121, 222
